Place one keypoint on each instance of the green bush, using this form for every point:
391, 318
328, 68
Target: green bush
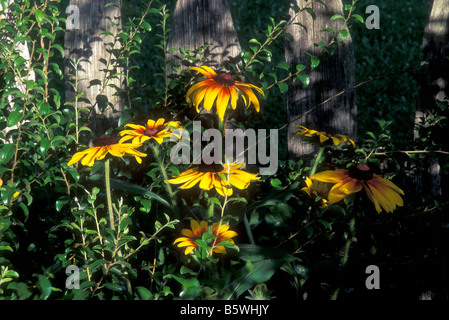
117, 227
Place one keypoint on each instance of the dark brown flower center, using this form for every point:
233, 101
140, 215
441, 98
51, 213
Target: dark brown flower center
104, 140
151, 132
224, 79
214, 167
360, 172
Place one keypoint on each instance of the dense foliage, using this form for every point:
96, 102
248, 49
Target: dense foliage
116, 221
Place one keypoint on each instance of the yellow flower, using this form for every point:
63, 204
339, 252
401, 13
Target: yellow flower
157, 130
316, 189
220, 177
382, 192
322, 137
220, 88
198, 229
104, 145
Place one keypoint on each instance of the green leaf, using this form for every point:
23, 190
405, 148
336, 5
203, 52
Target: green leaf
13, 118
300, 67
44, 108
19, 61
283, 87
145, 25
62, 201
255, 273
45, 286
6, 248
143, 293
136, 189
358, 17
146, 205
21, 290
59, 48
114, 286
7, 153
344, 33
276, 183
314, 61
304, 79
283, 65
39, 16
337, 16
186, 270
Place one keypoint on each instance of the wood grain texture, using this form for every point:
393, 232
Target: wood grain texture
87, 44
200, 22
333, 75
433, 85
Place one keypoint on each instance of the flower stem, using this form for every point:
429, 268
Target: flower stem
346, 252
164, 175
108, 193
317, 160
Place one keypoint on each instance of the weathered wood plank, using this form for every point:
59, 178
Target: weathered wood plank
433, 86
333, 75
84, 42
200, 22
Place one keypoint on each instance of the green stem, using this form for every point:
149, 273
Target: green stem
108, 193
317, 160
248, 229
346, 253
164, 175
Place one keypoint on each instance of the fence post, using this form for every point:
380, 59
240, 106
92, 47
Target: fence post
433, 86
84, 42
200, 22
334, 74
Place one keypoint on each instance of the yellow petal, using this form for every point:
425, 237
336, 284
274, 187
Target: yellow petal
78, 156
205, 71
210, 96
343, 189
251, 96
159, 122
234, 97
331, 176
94, 153
222, 102
189, 249
206, 182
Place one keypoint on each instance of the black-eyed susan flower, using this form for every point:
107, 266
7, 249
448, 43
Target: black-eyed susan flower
382, 192
322, 138
157, 130
315, 188
221, 89
196, 231
106, 145
220, 177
